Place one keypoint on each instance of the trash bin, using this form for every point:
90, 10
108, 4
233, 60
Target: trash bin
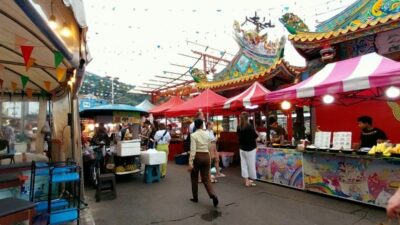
226, 158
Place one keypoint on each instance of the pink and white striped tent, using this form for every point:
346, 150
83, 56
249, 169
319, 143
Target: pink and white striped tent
355, 74
250, 97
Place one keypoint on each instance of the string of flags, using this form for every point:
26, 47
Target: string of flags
27, 51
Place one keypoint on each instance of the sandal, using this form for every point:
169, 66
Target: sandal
214, 180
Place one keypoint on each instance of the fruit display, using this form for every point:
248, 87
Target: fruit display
119, 169
130, 167
385, 149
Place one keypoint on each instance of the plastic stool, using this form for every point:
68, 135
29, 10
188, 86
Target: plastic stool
106, 182
152, 174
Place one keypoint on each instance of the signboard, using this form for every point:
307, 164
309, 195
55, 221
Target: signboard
126, 117
388, 42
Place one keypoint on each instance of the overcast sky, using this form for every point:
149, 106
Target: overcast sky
136, 40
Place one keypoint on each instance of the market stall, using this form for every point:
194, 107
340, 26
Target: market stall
339, 170
125, 152
171, 103
42, 65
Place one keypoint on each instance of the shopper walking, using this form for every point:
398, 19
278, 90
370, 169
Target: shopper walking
247, 144
393, 206
199, 161
162, 138
213, 150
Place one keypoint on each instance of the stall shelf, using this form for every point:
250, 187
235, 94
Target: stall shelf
127, 155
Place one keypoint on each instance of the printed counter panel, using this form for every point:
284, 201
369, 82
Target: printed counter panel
363, 179
280, 166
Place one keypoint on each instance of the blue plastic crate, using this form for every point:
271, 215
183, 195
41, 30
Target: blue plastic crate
64, 216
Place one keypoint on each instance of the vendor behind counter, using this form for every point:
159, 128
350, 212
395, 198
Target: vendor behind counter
370, 135
276, 134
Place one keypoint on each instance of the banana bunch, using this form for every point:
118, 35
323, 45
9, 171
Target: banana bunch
119, 169
384, 149
130, 167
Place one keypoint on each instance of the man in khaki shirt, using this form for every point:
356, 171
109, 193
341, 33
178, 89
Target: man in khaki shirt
199, 160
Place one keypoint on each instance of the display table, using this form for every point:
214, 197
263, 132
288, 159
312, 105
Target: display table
367, 179
362, 178
13, 210
280, 166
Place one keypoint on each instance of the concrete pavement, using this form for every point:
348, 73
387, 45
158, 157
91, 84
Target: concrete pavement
266, 204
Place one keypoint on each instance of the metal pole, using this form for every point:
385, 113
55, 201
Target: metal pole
112, 91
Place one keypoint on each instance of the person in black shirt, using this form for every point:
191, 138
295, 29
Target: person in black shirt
370, 135
247, 144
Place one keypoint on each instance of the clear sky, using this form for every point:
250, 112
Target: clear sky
136, 40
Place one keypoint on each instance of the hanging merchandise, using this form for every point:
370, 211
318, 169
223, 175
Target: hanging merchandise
26, 53
24, 81
58, 58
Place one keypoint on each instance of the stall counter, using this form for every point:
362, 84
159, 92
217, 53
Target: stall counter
280, 166
367, 179
362, 178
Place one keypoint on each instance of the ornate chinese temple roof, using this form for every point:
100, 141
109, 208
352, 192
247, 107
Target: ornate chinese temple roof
362, 18
259, 59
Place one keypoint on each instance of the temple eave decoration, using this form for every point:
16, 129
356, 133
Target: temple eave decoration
317, 39
278, 68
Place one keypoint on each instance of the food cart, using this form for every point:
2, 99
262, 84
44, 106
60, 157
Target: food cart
125, 153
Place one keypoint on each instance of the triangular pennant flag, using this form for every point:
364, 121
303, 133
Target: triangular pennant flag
29, 92
19, 41
60, 73
13, 86
43, 94
24, 81
1, 83
26, 53
58, 58
30, 63
47, 85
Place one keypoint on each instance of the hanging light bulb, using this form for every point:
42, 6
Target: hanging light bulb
328, 99
52, 22
65, 32
285, 105
392, 92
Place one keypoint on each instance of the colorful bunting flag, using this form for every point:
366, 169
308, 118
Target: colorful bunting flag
13, 86
19, 41
24, 81
29, 92
60, 73
58, 58
26, 53
30, 63
43, 94
47, 85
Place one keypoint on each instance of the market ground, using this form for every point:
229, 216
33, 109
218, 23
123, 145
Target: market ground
168, 203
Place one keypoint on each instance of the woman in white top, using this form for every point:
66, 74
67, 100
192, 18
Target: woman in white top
162, 138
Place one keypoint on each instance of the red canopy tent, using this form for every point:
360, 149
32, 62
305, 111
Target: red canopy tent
171, 103
252, 96
205, 102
